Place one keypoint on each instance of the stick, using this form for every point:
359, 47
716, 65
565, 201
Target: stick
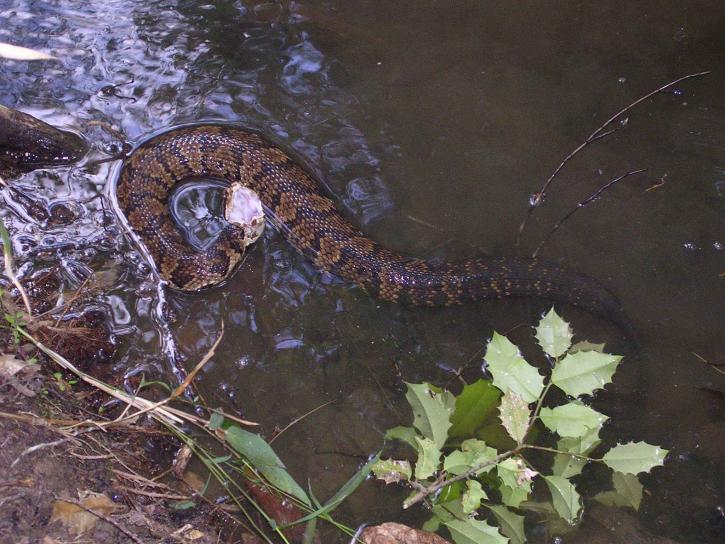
583, 204
598, 133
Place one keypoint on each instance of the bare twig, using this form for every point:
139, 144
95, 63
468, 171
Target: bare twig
426, 491
39, 447
298, 419
714, 366
598, 133
581, 205
190, 377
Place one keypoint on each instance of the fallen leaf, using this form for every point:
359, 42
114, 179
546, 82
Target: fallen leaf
11, 365
15, 52
78, 520
396, 533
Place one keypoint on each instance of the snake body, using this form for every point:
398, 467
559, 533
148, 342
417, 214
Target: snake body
294, 201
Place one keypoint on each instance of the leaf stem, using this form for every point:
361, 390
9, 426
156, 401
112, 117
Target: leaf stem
440, 484
554, 450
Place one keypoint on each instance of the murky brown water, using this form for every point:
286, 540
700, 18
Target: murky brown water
432, 123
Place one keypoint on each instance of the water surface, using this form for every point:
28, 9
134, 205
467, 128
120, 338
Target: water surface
431, 123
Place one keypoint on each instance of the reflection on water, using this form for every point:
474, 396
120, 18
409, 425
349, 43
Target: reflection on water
430, 123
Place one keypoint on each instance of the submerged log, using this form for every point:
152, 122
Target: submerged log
27, 143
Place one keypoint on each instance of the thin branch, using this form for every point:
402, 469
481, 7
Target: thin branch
440, 484
298, 419
598, 133
204, 360
554, 450
583, 204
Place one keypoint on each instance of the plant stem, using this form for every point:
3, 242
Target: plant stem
554, 450
8, 255
437, 486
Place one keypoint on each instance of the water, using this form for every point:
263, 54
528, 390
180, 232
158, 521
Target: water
431, 124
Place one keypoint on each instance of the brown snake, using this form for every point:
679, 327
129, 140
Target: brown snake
312, 224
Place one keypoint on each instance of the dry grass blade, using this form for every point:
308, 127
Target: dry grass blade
9, 270
15, 52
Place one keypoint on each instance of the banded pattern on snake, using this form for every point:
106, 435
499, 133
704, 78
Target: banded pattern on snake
294, 201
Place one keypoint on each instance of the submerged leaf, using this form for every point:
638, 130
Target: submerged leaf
515, 415
627, 491
431, 411
572, 420
511, 525
554, 334
472, 531
583, 372
471, 500
582, 444
429, 457
516, 481
634, 457
510, 371
474, 405
404, 434
262, 457
564, 496
473, 453
567, 466
392, 470
586, 345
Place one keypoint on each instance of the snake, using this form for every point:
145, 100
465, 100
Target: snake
295, 202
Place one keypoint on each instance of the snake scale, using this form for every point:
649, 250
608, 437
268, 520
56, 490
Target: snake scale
293, 200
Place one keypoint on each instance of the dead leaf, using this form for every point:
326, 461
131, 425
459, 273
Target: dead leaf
396, 533
194, 481
13, 52
11, 365
78, 520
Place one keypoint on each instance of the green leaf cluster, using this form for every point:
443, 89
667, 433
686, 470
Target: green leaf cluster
469, 479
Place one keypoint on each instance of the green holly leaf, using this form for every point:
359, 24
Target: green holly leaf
510, 524
634, 457
514, 412
471, 500
404, 434
554, 334
582, 444
586, 345
429, 456
474, 405
627, 492
392, 470
516, 481
472, 531
573, 419
567, 466
432, 411
473, 452
513, 496
583, 372
510, 371
567, 501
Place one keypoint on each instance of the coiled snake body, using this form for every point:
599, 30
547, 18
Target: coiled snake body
313, 225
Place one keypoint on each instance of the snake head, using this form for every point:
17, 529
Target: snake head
244, 210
